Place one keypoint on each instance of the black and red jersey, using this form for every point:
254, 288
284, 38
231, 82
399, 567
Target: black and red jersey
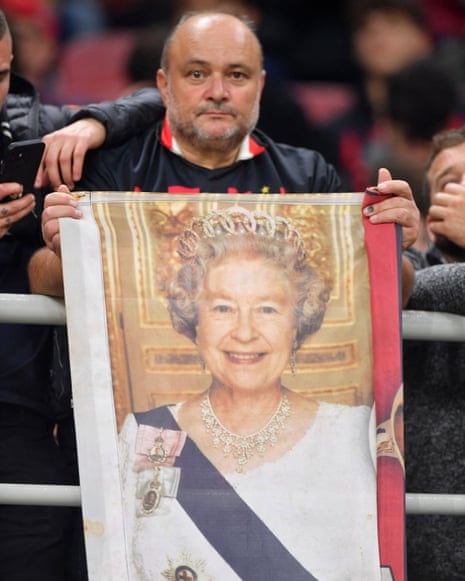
150, 162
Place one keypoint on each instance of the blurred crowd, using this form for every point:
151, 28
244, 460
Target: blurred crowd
365, 82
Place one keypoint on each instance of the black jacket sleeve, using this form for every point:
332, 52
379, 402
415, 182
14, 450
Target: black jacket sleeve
125, 117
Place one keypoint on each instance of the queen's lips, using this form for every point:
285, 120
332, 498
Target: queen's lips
239, 357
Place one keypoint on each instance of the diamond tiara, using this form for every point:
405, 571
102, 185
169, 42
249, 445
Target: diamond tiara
235, 221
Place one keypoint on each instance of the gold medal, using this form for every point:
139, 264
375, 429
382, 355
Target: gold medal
152, 495
157, 453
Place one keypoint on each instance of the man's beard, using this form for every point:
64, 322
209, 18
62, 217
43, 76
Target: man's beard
205, 141
453, 252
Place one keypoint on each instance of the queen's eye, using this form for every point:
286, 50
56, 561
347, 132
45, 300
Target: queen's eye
222, 308
268, 310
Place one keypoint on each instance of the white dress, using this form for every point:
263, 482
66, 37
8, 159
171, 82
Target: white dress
319, 500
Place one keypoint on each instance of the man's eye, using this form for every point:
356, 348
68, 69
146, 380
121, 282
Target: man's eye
196, 74
450, 179
238, 75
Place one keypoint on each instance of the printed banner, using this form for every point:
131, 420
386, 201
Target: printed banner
237, 386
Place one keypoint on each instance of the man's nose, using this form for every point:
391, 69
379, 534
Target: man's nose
217, 88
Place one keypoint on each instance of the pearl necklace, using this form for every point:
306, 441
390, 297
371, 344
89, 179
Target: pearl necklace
241, 447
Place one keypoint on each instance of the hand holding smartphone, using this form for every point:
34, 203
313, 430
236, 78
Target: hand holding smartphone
21, 164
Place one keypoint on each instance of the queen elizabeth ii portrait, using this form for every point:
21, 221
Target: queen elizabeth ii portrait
248, 480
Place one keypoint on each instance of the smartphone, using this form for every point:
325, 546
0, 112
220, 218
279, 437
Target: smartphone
21, 164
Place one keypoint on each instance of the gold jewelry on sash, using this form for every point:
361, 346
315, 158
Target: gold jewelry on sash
157, 453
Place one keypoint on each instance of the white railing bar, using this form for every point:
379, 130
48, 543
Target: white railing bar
42, 310
432, 326
31, 309
39, 309
59, 495
40, 494
453, 504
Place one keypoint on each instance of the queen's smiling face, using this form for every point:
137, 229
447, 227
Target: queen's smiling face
246, 325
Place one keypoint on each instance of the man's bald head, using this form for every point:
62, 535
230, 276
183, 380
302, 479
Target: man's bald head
205, 19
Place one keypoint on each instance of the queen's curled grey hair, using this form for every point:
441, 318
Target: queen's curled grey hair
239, 232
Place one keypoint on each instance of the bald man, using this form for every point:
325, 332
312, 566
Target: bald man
211, 79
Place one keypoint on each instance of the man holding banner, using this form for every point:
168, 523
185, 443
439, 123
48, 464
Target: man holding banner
211, 78
207, 141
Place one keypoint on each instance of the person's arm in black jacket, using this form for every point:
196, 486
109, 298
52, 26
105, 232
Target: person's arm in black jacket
101, 124
126, 116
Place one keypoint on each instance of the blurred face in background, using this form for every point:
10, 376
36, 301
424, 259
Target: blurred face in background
448, 167
6, 56
35, 47
446, 179
388, 40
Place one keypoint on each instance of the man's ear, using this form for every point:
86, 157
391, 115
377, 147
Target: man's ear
430, 233
162, 85
262, 81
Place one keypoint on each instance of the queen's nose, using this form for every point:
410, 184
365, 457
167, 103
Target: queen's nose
244, 329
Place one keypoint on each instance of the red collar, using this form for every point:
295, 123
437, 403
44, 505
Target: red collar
249, 148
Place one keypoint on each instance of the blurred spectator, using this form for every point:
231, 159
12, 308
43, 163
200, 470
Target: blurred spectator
421, 100
446, 22
35, 31
80, 18
434, 371
387, 35
314, 38
144, 57
445, 192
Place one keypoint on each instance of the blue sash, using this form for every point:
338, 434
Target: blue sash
231, 527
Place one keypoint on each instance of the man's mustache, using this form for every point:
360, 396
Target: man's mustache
220, 108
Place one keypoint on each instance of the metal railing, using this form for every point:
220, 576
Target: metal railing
40, 310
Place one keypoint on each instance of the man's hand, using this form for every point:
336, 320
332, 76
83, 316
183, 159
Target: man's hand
57, 205
446, 215
400, 208
65, 151
15, 210
45, 268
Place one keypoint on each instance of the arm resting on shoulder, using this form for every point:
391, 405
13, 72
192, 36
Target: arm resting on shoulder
127, 116
45, 273
69, 132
